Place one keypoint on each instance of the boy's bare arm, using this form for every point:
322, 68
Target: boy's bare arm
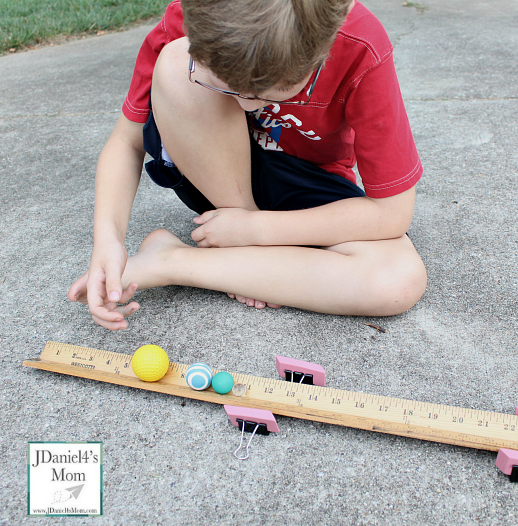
354, 219
118, 175
117, 179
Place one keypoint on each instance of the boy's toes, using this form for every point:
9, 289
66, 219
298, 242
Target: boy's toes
249, 302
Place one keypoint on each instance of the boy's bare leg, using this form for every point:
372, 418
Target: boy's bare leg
206, 134
369, 278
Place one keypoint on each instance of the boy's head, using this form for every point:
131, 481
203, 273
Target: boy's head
253, 45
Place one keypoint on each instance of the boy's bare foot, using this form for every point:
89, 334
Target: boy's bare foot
144, 267
161, 242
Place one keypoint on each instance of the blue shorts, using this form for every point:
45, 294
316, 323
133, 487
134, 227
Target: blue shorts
279, 181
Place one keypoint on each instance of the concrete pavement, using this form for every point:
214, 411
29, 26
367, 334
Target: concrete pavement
169, 460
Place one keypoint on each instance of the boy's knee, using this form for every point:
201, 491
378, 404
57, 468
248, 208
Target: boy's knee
398, 284
174, 93
170, 73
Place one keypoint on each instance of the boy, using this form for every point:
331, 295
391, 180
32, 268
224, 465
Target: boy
259, 110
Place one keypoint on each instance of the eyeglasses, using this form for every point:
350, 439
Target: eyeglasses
227, 92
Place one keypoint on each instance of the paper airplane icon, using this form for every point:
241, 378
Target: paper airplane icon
76, 490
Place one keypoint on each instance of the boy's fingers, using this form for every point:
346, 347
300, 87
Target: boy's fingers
97, 306
203, 218
113, 282
197, 234
126, 310
111, 325
104, 313
127, 294
203, 244
73, 291
115, 324
109, 315
77, 291
113, 292
201, 240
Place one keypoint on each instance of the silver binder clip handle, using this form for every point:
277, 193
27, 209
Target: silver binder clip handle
248, 443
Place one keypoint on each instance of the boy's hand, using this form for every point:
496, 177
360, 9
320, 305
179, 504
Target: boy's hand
225, 227
101, 288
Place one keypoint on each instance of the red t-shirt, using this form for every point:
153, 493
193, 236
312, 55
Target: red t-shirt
356, 113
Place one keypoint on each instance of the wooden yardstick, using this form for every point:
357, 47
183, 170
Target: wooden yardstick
425, 421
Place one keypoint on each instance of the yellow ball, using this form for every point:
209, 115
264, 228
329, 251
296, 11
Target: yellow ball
150, 363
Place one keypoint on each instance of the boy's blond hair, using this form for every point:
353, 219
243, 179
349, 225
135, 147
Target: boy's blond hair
253, 45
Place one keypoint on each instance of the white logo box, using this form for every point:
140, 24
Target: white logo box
64, 478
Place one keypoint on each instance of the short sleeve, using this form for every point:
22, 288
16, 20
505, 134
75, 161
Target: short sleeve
386, 154
136, 105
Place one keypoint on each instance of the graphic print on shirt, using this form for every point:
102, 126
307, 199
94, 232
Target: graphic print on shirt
267, 129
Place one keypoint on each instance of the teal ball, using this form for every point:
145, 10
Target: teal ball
198, 376
222, 382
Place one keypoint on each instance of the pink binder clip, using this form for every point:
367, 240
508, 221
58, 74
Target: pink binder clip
507, 462
300, 372
251, 420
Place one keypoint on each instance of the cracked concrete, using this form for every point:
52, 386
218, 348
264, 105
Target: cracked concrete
169, 460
